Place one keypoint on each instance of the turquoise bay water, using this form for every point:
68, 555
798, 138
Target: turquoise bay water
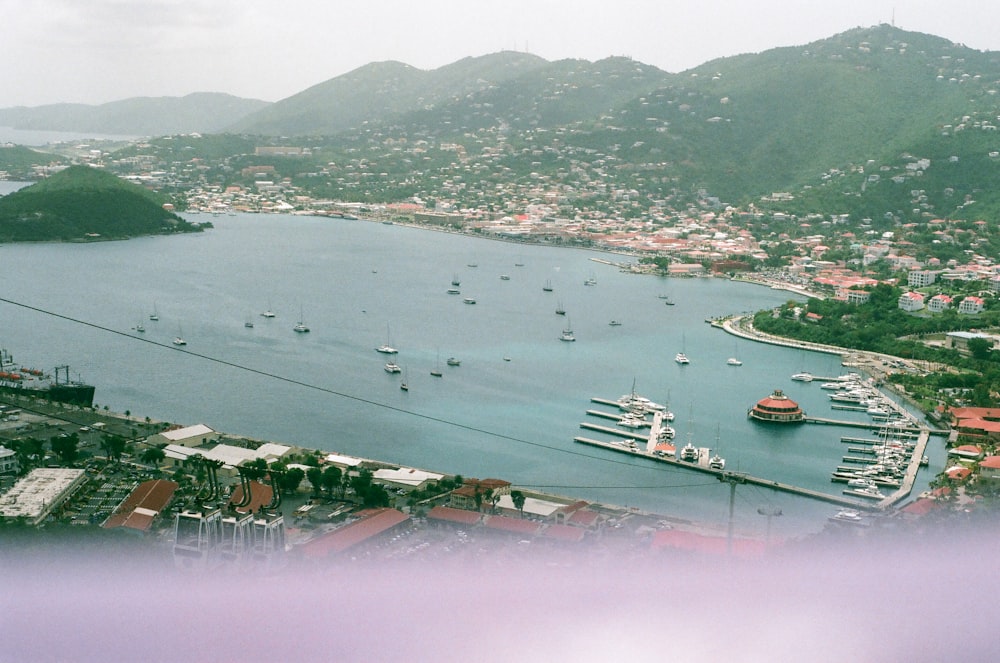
357, 283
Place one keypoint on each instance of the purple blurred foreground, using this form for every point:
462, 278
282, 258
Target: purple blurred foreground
915, 598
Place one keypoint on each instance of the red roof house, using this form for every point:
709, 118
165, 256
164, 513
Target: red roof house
142, 505
373, 523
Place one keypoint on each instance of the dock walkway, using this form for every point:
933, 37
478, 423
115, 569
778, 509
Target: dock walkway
698, 467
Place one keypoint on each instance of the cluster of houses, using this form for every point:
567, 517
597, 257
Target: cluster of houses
974, 458
912, 301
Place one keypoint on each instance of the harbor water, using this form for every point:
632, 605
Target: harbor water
510, 409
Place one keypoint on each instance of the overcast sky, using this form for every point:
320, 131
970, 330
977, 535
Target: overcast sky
95, 51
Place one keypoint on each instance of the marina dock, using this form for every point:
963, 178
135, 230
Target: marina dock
910, 476
643, 444
703, 468
612, 416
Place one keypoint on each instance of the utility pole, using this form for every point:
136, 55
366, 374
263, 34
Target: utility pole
732, 478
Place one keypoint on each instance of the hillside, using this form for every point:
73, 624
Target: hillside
838, 126
83, 203
379, 93
202, 112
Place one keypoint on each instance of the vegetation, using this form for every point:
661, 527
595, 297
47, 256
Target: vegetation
971, 377
81, 203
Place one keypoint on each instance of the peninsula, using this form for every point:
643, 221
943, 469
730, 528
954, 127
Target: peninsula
82, 203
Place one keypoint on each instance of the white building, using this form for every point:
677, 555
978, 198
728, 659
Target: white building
191, 436
911, 301
8, 461
939, 303
35, 496
919, 278
406, 478
971, 306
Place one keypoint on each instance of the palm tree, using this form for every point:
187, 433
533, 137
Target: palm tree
517, 497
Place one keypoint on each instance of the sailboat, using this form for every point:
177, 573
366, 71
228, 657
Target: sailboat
300, 327
717, 462
734, 360
154, 316
560, 310
387, 348
267, 313
248, 323
548, 286
682, 358
179, 339
567, 334
404, 383
436, 371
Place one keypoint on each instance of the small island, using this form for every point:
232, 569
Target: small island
82, 203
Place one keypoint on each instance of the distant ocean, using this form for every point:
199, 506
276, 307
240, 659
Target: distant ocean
358, 284
38, 138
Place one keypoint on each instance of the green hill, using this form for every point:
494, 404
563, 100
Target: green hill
139, 116
84, 203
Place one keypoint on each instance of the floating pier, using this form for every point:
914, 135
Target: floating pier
615, 431
613, 417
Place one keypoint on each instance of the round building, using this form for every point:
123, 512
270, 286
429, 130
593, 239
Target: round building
777, 408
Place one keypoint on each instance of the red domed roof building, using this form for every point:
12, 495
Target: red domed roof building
778, 408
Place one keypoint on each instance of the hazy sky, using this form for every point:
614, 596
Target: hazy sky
94, 51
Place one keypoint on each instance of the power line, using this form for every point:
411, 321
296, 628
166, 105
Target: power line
332, 392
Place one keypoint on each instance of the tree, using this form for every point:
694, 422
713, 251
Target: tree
517, 497
29, 451
980, 348
255, 469
331, 478
291, 479
153, 455
65, 446
315, 477
113, 446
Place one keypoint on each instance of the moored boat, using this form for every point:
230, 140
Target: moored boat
35, 383
689, 453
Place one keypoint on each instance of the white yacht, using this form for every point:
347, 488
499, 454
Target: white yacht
386, 348
631, 421
392, 367
733, 361
803, 377
682, 358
